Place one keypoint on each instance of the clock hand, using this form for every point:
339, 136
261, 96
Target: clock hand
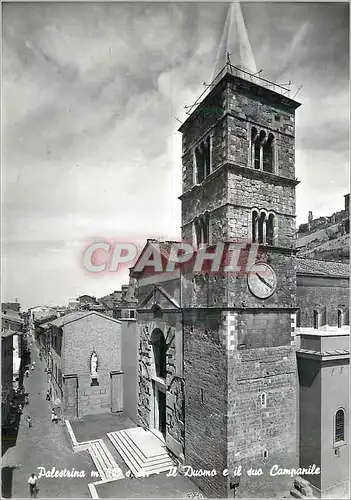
264, 281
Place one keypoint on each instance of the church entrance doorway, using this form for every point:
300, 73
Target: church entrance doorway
158, 411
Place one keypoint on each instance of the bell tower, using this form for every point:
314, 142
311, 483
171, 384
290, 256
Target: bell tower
239, 355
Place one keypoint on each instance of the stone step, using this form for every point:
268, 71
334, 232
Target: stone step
138, 463
143, 458
123, 450
145, 463
105, 463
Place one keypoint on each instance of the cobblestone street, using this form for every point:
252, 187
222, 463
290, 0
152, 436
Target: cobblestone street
44, 445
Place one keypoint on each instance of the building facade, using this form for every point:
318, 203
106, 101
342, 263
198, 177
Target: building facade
222, 373
86, 373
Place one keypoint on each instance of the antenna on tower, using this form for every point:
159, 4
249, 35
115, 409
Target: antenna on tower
298, 90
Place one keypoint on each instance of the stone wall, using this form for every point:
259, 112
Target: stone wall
169, 323
261, 435
317, 293
205, 368
81, 338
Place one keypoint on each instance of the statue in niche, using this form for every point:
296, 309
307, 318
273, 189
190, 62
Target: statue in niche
93, 365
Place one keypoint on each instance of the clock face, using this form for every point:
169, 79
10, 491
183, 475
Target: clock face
262, 280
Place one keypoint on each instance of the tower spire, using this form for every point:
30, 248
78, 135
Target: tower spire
235, 43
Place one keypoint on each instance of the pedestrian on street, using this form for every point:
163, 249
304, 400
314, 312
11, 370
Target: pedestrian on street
54, 417
26, 373
32, 481
32, 367
48, 398
29, 421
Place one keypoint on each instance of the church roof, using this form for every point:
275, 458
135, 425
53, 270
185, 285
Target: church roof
322, 268
77, 315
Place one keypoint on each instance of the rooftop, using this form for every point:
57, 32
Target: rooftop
322, 268
77, 315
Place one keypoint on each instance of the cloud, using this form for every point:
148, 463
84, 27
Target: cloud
91, 97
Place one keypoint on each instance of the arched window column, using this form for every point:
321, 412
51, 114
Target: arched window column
254, 228
339, 427
263, 228
262, 150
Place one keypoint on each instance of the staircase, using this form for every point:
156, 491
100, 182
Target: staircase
104, 462
142, 451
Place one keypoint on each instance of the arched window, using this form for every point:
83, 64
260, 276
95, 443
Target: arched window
205, 228
323, 317
298, 318
254, 228
203, 159
159, 351
340, 318
268, 154
199, 164
262, 228
270, 230
255, 149
197, 231
208, 157
315, 320
263, 399
339, 428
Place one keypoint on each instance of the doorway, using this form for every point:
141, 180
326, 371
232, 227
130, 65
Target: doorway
162, 413
158, 417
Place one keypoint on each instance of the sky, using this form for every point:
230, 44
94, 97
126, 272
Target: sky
92, 96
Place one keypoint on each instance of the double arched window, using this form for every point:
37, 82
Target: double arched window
203, 159
339, 426
262, 150
263, 228
202, 229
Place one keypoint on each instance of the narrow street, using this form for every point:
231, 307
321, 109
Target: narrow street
44, 445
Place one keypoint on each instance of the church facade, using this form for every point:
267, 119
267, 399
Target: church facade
225, 372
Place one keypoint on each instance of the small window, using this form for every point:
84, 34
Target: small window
94, 382
339, 426
131, 314
340, 318
263, 400
315, 320
298, 318
265, 454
